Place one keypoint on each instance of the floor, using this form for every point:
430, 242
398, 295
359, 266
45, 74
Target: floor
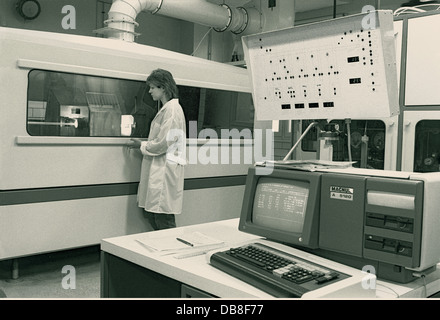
70, 274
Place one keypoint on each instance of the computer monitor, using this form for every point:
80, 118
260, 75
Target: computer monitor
359, 217
282, 206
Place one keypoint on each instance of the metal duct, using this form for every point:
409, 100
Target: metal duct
121, 23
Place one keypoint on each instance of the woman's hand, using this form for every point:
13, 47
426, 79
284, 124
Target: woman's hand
134, 143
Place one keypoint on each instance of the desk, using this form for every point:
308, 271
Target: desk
129, 270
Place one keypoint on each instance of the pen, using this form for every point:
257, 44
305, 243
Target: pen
185, 242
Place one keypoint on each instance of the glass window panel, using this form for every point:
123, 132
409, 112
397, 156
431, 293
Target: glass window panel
373, 129
65, 104
427, 146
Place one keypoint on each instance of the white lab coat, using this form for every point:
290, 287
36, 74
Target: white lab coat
162, 173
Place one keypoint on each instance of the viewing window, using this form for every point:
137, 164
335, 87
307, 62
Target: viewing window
66, 104
427, 146
374, 130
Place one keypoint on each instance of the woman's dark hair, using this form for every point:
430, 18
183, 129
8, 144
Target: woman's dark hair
164, 79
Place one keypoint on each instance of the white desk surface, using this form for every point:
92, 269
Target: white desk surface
196, 271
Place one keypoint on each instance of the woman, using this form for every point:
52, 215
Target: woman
160, 191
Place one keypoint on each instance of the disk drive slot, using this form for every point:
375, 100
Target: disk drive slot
390, 222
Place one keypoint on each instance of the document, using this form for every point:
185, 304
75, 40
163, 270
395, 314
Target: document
307, 165
194, 241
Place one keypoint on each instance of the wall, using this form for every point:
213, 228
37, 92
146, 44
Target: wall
212, 45
51, 16
344, 9
157, 31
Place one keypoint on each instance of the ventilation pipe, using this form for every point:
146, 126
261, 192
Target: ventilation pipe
121, 23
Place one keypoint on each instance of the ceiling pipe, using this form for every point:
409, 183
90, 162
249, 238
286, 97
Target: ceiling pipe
121, 23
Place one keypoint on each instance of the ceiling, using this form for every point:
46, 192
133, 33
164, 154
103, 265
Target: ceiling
300, 5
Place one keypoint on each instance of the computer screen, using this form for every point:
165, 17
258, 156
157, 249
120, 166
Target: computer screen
282, 206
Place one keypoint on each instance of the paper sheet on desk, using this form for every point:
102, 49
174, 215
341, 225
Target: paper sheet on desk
193, 242
307, 165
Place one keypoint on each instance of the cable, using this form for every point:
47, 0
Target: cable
347, 121
423, 276
425, 285
429, 5
200, 42
364, 147
391, 289
405, 9
415, 9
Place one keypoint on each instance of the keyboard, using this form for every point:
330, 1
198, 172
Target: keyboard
274, 271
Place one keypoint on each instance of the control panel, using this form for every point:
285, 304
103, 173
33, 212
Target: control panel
339, 68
